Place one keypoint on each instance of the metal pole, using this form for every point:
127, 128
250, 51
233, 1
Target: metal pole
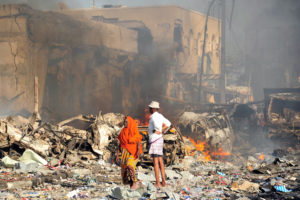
222, 83
36, 94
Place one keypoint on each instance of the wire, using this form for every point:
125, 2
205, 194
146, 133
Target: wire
199, 78
231, 13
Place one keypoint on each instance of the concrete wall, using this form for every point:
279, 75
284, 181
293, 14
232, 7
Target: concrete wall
16, 69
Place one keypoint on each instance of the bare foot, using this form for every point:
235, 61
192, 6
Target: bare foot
157, 185
134, 186
163, 183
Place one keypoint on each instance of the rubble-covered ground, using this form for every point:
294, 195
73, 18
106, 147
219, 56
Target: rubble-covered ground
77, 166
189, 179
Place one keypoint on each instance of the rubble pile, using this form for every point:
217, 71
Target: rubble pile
45, 161
71, 145
47, 140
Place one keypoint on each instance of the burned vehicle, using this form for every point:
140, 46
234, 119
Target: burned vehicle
282, 112
212, 128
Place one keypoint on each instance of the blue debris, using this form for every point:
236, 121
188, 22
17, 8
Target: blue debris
281, 188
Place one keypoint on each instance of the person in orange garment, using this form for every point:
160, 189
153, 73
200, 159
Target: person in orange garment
131, 148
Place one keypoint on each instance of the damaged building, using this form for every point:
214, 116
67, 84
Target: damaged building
175, 29
96, 59
51, 47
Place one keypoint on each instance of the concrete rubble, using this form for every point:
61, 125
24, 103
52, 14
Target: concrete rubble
64, 143
44, 161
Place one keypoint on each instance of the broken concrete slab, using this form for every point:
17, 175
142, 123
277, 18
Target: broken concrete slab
8, 162
30, 156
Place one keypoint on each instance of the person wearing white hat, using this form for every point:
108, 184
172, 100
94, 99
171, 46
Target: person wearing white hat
158, 124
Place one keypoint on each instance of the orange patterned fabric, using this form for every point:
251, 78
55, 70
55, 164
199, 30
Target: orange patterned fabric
129, 137
128, 164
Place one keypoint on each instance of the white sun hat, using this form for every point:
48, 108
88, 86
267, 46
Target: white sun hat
154, 104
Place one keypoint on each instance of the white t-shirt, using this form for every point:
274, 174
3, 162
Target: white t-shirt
155, 123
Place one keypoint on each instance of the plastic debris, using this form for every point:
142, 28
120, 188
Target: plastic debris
281, 188
221, 174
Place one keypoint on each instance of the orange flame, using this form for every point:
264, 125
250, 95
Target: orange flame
220, 152
145, 120
199, 145
189, 151
249, 168
261, 157
208, 155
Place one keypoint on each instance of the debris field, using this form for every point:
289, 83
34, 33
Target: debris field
40, 160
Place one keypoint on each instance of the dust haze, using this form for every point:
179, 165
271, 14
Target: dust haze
262, 37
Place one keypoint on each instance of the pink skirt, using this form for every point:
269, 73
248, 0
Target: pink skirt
157, 146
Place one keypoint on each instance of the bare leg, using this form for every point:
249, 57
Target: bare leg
134, 186
156, 170
162, 170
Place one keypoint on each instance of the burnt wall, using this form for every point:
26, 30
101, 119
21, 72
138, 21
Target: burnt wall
78, 69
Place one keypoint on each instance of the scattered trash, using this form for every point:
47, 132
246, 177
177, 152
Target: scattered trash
221, 174
281, 188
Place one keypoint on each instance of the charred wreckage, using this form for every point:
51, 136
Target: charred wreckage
197, 146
